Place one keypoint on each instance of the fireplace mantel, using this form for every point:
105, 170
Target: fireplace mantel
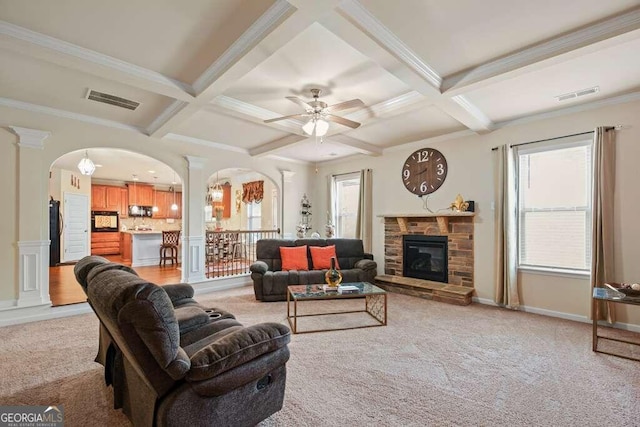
441, 217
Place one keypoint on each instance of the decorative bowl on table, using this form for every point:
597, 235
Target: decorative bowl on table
626, 288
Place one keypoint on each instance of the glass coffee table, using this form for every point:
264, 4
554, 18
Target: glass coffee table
375, 303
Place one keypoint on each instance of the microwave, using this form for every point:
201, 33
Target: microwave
104, 221
143, 211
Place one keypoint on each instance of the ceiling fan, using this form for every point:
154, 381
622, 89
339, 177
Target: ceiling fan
320, 114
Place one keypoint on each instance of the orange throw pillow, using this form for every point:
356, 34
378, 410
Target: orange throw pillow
321, 257
294, 258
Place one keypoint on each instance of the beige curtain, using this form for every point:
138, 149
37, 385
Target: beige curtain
364, 222
506, 291
253, 191
602, 216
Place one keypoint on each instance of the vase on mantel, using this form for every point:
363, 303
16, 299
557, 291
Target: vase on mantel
333, 277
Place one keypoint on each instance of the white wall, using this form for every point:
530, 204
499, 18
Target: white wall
67, 136
471, 174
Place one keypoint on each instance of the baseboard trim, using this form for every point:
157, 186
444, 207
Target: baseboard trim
221, 284
568, 316
19, 315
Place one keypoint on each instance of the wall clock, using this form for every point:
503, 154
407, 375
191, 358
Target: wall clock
424, 171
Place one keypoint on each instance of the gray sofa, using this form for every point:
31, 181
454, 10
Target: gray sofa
172, 361
270, 282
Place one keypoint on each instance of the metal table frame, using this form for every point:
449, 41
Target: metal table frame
375, 306
603, 294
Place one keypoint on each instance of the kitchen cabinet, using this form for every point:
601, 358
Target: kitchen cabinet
105, 198
105, 243
140, 194
125, 247
124, 203
163, 202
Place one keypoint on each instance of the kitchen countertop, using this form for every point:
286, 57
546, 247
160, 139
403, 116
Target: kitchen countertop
143, 231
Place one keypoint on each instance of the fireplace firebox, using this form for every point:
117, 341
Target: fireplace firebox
425, 257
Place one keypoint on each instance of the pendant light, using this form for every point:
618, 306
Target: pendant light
86, 166
216, 192
134, 208
155, 205
174, 207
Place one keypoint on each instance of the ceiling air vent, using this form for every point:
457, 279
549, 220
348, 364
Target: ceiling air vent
106, 98
578, 93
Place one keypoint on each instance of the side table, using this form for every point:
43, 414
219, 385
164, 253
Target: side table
604, 294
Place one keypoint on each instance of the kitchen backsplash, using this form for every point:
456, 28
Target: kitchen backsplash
155, 224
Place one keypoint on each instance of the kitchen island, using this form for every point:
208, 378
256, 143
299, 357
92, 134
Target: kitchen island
141, 248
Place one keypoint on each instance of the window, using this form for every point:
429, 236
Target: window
345, 195
554, 206
254, 216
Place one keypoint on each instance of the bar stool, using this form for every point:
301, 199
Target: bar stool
169, 247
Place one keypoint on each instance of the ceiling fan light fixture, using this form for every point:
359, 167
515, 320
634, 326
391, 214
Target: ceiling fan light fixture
319, 127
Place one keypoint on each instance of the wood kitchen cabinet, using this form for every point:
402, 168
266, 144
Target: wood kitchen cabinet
163, 202
105, 198
124, 203
125, 247
105, 243
140, 194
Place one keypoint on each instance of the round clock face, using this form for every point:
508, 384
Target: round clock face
424, 171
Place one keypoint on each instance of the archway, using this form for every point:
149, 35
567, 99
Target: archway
247, 209
119, 212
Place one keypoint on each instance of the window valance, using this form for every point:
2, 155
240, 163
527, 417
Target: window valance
253, 191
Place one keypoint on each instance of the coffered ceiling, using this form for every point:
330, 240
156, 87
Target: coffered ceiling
211, 71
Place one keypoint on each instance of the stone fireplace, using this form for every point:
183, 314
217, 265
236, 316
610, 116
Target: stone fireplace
456, 228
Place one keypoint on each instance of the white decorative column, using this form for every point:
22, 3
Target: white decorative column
33, 238
193, 259
287, 178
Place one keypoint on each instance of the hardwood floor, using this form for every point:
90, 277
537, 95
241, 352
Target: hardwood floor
64, 289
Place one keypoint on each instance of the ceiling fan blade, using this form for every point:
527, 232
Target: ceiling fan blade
345, 105
300, 102
293, 116
342, 121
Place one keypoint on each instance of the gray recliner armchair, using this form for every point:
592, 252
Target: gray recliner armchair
172, 361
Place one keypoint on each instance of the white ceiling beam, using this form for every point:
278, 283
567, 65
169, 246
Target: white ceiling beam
205, 142
274, 146
356, 144
227, 105
50, 49
358, 27
594, 37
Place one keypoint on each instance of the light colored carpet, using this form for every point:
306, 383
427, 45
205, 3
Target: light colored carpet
434, 364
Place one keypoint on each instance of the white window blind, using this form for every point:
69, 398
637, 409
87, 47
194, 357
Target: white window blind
346, 192
554, 206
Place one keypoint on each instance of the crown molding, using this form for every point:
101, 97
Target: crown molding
387, 108
256, 32
92, 56
614, 100
174, 108
34, 108
482, 74
30, 138
259, 114
273, 146
356, 144
206, 143
484, 122
356, 12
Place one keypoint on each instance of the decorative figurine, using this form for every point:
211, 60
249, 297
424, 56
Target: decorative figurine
459, 205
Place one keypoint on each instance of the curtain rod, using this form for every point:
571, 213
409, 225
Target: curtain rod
557, 137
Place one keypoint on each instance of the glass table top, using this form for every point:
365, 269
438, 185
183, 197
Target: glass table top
300, 292
611, 295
